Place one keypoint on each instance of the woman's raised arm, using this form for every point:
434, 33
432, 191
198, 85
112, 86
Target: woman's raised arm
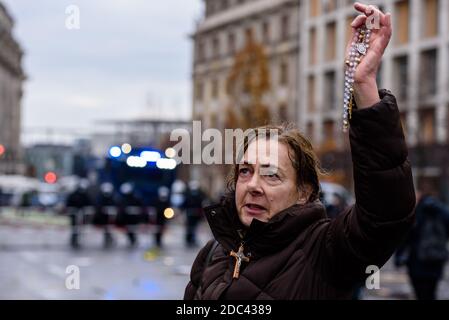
365, 86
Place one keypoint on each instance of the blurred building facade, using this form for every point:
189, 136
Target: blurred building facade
245, 68
415, 68
43, 158
11, 81
75, 159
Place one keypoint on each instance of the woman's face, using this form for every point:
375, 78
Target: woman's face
266, 182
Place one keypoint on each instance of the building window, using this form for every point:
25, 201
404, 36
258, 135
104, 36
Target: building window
310, 129
199, 91
428, 73
266, 32
215, 47
430, 18
311, 94
214, 120
315, 8
283, 113
248, 35
401, 77
231, 43
283, 74
331, 43
312, 48
329, 135
402, 22
200, 55
224, 4
210, 7
214, 92
329, 5
285, 27
330, 91
427, 126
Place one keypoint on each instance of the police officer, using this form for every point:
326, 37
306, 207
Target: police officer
77, 203
193, 206
131, 212
162, 203
105, 210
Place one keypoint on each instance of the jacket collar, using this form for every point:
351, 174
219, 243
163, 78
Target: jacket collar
261, 238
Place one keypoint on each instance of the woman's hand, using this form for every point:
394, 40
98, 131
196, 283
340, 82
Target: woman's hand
365, 86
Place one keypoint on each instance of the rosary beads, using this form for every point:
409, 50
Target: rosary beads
359, 48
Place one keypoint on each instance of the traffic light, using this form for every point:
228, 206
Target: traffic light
2, 149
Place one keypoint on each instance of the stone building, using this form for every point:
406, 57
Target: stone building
415, 68
245, 68
304, 43
11, 81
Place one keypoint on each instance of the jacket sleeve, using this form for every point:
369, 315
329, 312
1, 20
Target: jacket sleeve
370, 231
196, 272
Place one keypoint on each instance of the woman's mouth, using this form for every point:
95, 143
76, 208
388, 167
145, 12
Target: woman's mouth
254, 209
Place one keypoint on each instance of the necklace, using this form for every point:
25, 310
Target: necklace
359, 48
239, 258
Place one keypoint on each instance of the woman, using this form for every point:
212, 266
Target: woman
272, 238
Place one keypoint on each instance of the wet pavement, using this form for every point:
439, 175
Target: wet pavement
35, 255
394, 285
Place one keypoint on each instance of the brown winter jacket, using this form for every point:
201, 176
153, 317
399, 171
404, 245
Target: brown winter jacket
299, 253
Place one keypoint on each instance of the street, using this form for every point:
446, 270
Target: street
35, 257
35, 254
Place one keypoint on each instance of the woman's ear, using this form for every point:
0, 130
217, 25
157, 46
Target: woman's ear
304, 194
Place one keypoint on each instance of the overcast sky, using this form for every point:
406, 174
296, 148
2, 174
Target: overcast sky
126, 56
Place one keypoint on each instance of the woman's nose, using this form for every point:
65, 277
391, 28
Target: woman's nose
254, 184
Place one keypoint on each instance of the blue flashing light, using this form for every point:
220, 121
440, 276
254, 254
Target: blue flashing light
150, 156
115, 152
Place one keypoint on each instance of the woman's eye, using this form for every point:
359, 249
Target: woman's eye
271, 175
244, 171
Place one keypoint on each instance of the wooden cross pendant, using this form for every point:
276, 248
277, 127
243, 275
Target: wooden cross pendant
239, 257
